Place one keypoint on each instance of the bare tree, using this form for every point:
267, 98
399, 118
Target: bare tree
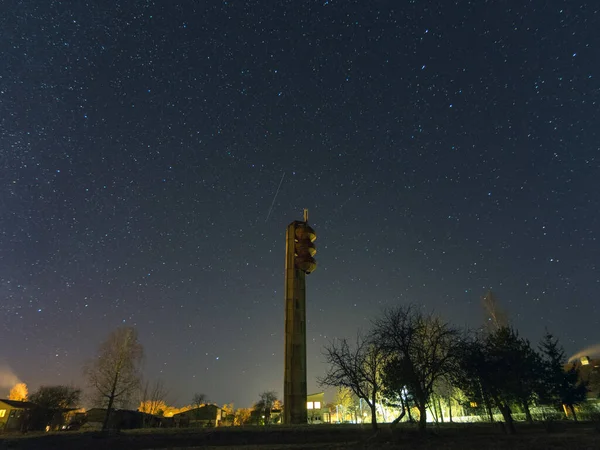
421, 349
114, 375
199, 399
265, 404
357, 368
496, 318
153, 398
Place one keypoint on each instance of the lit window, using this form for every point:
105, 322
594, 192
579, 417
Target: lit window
317, 405
309, 405
585, 361
473, 404
2, 412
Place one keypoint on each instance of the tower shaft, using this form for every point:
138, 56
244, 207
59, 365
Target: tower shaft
294, 397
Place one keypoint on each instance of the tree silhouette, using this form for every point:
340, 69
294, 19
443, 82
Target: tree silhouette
357, 368
474, 377
516, 368
52, 402
561, 386
56, 397
114, 375
421, 349
265, 404
496, 318
199, 399
153, 398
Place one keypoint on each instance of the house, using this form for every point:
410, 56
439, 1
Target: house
14, 415
317, 412
589, 371
120, 419
204, 416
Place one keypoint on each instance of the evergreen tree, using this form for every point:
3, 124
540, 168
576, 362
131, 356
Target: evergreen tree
561, 385
473, 377
516, 369
500, 369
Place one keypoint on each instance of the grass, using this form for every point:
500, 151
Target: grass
446, 436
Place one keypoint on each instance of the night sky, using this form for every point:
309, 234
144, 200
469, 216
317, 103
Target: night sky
443, 148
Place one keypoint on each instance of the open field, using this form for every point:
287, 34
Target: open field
464, 437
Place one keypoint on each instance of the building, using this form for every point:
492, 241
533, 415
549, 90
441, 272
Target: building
317, 412
589, 371
204, 416
14, 415
120, 419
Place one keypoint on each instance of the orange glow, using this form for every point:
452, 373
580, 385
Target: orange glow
19, 392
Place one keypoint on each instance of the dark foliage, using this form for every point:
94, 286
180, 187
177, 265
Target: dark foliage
264, 406
52, 402
561, 385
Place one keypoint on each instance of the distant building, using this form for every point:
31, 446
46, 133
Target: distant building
120, 419
204, 416
14, 415
317, 412
589, 371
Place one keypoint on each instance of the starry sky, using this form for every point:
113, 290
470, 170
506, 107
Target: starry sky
152, 153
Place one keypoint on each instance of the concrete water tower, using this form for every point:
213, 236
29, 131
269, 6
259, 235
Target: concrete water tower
299, 262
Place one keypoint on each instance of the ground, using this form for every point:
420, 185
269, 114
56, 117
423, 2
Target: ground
448, 437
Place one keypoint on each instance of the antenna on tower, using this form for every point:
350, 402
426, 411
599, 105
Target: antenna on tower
306, 215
